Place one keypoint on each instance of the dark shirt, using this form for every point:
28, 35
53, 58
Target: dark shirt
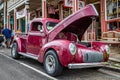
7, 33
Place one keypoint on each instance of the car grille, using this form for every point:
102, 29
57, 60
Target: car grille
92, 57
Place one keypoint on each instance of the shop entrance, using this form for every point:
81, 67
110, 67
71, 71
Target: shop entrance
97, 22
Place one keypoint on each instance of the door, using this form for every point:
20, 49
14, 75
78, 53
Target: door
35, 39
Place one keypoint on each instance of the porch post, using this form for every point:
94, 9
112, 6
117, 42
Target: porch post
5, 14
60, 11
15, 20
103, 22
75, 5
44, 9
27, 17
8, 20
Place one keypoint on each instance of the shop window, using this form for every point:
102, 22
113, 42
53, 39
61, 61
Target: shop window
113, 9
112, 26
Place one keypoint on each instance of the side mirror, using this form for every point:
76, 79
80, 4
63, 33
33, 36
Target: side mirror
41, 31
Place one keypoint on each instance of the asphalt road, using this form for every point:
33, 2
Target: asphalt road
28, 69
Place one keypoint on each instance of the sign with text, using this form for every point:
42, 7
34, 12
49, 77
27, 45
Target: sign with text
20, 14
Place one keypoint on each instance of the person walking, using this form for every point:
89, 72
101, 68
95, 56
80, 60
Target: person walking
7, 33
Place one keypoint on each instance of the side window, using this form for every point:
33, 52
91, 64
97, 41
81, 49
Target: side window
36, 26
51, 25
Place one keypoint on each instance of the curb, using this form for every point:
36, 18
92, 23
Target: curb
114, 60
116, 69
113, 68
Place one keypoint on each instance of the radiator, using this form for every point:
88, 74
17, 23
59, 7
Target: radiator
90, 57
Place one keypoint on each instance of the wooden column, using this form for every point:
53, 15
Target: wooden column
15, 20
60, 7
8, 21
75, 5
5, 14
44, 9
103, 21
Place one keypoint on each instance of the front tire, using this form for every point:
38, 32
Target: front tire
52, 64
14, 51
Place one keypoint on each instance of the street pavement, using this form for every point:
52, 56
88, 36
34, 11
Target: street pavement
28, 69
11, 70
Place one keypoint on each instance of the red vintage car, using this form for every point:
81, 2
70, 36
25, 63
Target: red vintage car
57, 44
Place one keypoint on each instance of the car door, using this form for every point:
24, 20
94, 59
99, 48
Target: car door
35, 39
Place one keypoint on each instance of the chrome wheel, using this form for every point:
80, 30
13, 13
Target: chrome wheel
14, 52
50, 63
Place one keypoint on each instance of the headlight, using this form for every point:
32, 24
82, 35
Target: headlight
72, 48
107, 49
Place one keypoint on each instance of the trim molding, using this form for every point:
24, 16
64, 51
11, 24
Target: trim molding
15, 5
29, 55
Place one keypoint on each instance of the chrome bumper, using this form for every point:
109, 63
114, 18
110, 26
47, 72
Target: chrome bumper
86, 65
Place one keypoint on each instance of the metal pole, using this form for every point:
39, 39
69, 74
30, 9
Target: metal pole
93, 18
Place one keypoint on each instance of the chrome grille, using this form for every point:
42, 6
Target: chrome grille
92, 57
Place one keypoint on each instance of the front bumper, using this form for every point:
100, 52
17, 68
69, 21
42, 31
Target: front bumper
86, 65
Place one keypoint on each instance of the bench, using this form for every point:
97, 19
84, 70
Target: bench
111, 37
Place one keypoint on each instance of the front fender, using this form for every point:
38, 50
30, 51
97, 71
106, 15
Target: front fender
62, 51
98, 46
18, 41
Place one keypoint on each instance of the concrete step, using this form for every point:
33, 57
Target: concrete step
114, 64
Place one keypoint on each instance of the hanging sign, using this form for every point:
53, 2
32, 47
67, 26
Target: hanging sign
21, 14
68, 3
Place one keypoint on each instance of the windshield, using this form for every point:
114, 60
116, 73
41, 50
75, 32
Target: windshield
51, 25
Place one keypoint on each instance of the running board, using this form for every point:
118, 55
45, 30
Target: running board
28, 55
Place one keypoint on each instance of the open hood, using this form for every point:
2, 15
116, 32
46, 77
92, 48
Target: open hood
76, 23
